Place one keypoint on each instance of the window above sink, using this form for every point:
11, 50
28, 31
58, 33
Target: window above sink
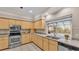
60, 28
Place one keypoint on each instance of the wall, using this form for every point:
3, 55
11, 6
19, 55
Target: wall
75, 22
63, 12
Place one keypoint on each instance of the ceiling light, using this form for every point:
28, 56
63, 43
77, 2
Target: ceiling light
30, 11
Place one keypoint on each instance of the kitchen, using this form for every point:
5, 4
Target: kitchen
39, 29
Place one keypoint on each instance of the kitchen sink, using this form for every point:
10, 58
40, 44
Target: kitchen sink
52, 37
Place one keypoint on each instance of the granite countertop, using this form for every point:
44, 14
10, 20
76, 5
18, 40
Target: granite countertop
71, 42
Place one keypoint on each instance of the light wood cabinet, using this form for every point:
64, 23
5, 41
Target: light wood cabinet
35, 40
40, 41
12, 22
45, 44
53, 45
43, 24
3, 43
37, 24
4, 24
27, 25
18, 22
40, 24
32, 37
25, 38
23, 25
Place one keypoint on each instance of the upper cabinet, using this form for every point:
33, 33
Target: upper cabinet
27, 25
18, 22
43, 24
40, 24
4, 24
12, 22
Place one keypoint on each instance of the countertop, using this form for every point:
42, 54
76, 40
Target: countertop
74, 43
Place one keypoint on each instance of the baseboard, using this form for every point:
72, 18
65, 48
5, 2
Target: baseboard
4, 49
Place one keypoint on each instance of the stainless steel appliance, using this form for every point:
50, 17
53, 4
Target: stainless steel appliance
15, 36
65, 47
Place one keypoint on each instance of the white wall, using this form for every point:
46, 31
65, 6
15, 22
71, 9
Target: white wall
63, 12
75, 22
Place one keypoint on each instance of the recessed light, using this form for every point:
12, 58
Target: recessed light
30, 11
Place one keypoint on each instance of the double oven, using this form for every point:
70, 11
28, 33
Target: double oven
15, 36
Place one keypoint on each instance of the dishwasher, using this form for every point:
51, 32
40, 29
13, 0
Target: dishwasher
65, 47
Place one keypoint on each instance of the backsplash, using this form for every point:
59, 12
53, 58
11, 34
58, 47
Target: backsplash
40, 31
4, 31
26, 31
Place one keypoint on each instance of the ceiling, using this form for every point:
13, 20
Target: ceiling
26, 12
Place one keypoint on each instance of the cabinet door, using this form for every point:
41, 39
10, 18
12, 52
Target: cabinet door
37, 24
32, 36
25, 38
35, 39
28, 38
4, 24
12, 22
18, 22
26, 25
53, 45
40, 42
3, 43
45, 44
29, 25
40, 24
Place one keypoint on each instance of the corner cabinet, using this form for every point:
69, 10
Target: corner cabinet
39, 24
40, 41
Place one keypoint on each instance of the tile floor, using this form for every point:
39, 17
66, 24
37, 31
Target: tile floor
27, 47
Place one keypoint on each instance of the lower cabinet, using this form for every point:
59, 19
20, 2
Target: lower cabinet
45, 44
3, 43
25, 38
53, 45
34, 38
40, 41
